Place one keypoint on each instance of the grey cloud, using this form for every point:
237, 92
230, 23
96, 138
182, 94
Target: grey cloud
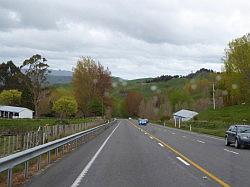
160, 37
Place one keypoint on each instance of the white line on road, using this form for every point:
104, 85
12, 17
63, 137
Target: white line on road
150, 137
184, 136
173, 133
200, 141
231, 151
85, 170
161, 145
183, 161
145, 133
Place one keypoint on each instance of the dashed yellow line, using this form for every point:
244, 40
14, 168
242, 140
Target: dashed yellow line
212, 176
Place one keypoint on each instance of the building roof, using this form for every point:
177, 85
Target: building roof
13, 109
185, 113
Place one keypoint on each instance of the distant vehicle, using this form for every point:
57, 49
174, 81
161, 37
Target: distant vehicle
147, 120
239, 135
142, 122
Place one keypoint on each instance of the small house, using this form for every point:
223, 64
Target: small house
14, 112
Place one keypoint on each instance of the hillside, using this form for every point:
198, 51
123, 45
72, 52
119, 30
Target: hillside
232, 114
199, 98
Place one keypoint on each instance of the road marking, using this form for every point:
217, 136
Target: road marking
145, 133
85, 170
151, 137
161, 145
183, 161
197, 166
184, 136
173, 133
231, 151
200, 141
190, 133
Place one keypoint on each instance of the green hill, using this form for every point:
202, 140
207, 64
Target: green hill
231, 114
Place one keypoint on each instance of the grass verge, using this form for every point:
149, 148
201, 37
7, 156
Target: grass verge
33, 124
214, 128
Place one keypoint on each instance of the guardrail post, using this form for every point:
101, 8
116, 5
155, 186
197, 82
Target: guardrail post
9, 179
56, 152
48, 157
26, 169
38, 163
62, 149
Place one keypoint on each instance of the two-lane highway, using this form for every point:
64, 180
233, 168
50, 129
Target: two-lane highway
126, 155
229, 164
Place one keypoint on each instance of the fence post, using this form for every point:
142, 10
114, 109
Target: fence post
9, 145
4, 147
28, 136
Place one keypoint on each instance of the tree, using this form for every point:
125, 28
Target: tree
132, 103
10, 97
65, 107
236, 76
11, 77
95, 107
179, 99
91, 81
37, 70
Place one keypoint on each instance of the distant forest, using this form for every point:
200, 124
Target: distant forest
189, 76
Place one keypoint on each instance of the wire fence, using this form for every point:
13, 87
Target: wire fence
12, 143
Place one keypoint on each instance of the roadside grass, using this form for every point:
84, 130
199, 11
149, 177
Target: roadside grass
215, 128
33, 124
18, 171
231, 114
216, 122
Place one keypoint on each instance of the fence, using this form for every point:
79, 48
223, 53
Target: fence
13, 143
9, 162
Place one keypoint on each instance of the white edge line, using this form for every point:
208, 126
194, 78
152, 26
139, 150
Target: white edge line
231, 151
161, 145
184, 131
183, 161
151, 137
85, 170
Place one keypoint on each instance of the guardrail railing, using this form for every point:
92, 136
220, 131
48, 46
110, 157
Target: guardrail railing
9, 162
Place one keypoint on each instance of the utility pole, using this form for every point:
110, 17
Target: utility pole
213, 96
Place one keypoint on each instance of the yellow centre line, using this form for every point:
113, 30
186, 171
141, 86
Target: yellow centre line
212, 176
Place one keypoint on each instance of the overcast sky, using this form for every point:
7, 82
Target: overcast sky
134, 38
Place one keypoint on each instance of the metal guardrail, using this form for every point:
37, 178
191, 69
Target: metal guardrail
9, 162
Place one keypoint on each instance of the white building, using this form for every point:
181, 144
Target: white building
183, 115
15, 112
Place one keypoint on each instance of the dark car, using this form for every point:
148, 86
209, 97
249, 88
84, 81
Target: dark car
239, 135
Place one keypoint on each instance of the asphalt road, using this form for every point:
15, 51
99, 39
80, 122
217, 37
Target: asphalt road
130, 155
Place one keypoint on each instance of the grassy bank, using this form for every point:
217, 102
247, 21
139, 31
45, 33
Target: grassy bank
215, 128
33, 124
216, 122
231, 114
